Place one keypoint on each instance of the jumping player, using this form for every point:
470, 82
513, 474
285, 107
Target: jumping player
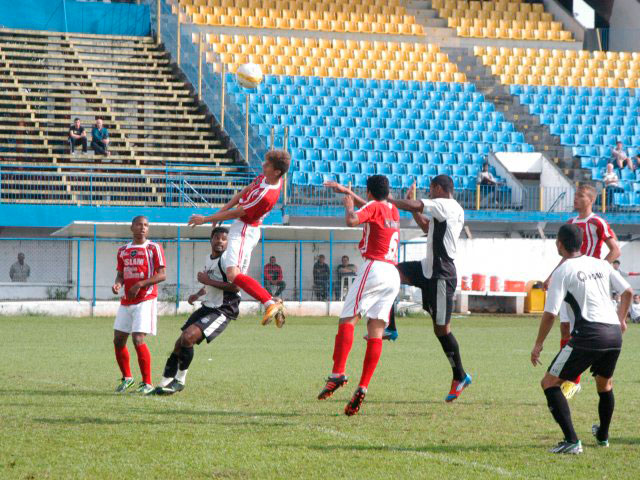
442, 218
248, 208
585, 284
219, 307
141, 266
375, 288
595, 232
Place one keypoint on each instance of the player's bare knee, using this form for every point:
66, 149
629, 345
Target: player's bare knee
120, 338
441, 330
232, 273
138, 338
352, 320
189, 338
604, 384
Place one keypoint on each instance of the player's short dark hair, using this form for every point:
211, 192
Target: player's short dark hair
279, 159
443, 181
217, 230
139, 217
570, 236
76, 120
378, 186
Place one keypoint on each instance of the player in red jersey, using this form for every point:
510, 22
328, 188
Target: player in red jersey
248, 208
141, 266
595, 232
375, 288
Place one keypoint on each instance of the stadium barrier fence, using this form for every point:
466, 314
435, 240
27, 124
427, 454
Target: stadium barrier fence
83, 269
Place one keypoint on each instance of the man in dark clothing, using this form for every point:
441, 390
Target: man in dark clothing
77, 136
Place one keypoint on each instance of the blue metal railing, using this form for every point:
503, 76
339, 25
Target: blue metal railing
159, 187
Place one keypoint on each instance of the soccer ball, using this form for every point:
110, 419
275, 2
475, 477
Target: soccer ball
249, 75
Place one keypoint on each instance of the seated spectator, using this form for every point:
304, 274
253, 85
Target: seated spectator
634, 311
273, 278
487, 182
619, 157
77, 136
19, 271
611, 182
100, 138
345, 269
321, 278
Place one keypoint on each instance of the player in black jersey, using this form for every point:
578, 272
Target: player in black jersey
220, 306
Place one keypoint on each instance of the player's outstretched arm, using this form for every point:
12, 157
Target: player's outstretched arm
407, 205
219, 216
350, 216
545, 327
421, 220
203, 278
336, 187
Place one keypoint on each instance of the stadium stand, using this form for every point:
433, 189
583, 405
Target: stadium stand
590, 100
501, 19
369, 16
156, 125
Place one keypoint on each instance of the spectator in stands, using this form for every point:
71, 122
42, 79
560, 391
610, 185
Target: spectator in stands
321, 278
345, 269
100, 138
77, 136
634, 311
19, 271
273, 277
611, 182
616, 266
619, 156
487, 183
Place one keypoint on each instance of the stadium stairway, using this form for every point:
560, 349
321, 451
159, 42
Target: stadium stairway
156, 124
535, 133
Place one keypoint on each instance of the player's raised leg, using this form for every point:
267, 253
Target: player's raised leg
175, 370
559, 408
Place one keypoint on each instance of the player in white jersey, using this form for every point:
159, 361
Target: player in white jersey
220, 306
585, 283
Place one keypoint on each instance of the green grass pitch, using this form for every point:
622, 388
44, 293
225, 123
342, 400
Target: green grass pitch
250, 411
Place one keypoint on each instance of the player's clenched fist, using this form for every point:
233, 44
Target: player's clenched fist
116, 288
195, 220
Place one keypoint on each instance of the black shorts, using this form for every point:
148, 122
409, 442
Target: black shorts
211, 321
571, 362
437, 293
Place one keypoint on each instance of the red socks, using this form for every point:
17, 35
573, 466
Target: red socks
371, 357
144, 360
253, 288
563, 342
122, 357
342, 347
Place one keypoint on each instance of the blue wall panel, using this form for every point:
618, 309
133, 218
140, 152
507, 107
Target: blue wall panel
76, 17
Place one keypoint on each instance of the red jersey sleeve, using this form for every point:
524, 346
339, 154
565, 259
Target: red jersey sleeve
366, 213
119, 262
158, 257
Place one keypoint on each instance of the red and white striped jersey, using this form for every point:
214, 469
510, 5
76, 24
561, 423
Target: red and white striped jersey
259, 200
139, 262
380, 231
595, 230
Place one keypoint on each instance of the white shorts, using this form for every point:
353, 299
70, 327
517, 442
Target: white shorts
139, 318
242, 240
373, 291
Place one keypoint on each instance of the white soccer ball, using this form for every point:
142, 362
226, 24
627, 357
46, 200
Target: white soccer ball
249, 75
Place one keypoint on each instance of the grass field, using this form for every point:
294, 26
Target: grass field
249, 409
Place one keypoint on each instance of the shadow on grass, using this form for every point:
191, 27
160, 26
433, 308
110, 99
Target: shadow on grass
223, 413
90, 421
625, 441
427, 449
56, 393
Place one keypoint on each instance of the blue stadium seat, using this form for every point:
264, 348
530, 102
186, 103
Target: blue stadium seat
430, 170
423, 182
368, 168
352, 167
321, 166
316, 179
336, 167
345, 178
299, 178
415, 169
360, 180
